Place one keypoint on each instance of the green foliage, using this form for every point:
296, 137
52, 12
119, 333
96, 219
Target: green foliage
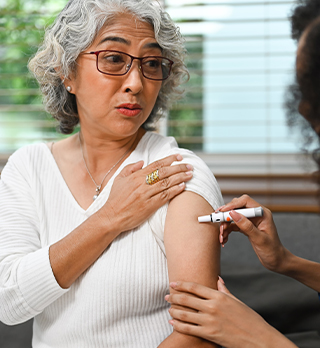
185, 120
22, 26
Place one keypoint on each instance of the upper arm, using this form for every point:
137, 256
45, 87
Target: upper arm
192, 248
24, 263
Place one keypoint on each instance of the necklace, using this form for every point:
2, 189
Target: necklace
98, 187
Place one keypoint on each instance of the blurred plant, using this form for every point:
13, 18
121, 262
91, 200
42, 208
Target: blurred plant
22, 25
185, 119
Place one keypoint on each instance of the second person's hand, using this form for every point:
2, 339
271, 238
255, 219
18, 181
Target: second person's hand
261, 232
220, 317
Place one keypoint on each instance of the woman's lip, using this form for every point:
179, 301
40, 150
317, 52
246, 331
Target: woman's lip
129, 106
129, 109
128, 112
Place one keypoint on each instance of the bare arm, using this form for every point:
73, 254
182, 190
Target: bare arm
193, 253
130, 203
265, 241
220, 317
305, 271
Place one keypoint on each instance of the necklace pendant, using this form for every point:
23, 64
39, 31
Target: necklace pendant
98, 188
97, 193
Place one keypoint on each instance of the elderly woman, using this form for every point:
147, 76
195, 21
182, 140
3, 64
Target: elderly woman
93, 227
221, 317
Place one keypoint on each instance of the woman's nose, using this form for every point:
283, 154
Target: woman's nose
134, 78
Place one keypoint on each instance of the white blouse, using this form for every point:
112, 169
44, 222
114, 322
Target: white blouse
119, 300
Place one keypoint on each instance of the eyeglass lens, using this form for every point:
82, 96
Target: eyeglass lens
118, 63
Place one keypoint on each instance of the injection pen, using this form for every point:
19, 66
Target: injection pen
220, 216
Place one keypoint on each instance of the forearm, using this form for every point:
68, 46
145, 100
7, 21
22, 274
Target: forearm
305, 271
73, 254
266, 336
177, 340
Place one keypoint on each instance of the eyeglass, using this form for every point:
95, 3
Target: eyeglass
118, 63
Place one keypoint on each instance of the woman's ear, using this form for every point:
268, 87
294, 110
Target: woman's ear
68, 83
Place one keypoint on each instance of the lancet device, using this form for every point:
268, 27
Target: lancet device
220, 216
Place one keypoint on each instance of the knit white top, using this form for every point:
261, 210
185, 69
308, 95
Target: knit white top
119, 300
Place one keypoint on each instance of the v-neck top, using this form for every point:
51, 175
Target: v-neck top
119, 300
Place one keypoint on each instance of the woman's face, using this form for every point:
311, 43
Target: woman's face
100, 98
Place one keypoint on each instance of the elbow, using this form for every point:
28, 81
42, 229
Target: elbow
13, 315
13, 311
11, 320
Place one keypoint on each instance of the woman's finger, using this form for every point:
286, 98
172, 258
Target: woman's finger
164, 162
131, 168
162, 165
186, 300
245, 225
166, 172
167, 183
225, 230
186, 328
186, 316
199, 290
222, 288
245, 201
165, 191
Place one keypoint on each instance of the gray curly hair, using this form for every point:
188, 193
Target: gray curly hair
73, 32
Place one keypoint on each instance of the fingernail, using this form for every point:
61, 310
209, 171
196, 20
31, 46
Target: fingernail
179, 157
173, 285
221, 233
220, 208
189, 173
182, 184
189, 166
222, 281
166, 297
171, 322
235, 216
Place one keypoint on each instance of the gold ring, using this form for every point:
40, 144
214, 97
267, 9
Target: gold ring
153, 177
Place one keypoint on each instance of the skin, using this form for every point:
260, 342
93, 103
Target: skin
265, 241
218, 313
106, 134
103, 144
222, 318
192, 253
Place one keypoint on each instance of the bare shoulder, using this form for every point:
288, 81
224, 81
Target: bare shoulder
186, 208
191, 201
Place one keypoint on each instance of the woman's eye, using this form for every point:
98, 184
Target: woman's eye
152, 63
114, 58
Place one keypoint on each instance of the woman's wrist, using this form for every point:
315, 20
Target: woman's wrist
108, 223
274, 338
262, 335
286, 265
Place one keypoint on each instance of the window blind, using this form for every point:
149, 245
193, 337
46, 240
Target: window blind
241, 58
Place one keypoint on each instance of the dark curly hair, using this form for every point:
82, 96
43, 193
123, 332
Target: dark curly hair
306, 88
